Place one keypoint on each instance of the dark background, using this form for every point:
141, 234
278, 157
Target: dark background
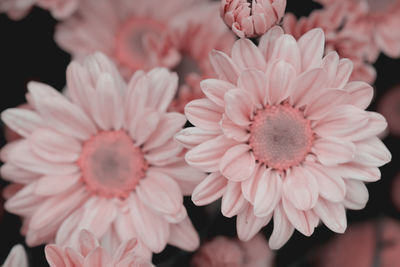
28, 52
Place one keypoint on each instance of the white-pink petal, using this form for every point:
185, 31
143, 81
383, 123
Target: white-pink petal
204, 114
210, 189
268, 193
239, 106
283, 229
224, 67
311, 46
281, 76
184, 236
332, 214
22, 121
248, 225
233, 201
247, 56
238, 163
215, 90
332, 151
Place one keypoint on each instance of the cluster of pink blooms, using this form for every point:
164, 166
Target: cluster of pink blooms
279, 127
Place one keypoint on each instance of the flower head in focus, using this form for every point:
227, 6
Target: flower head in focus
108, 154
378, 20
284, 134
16, 258
90, 254
252, 18
348, 44
223, 251
140, 35
60, 9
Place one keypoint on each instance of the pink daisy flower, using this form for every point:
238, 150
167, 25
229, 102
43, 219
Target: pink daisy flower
252, 18
108, 154
60, 9
16, 258
91, 254
223, 251
376, 19
283, 133
348, 44
141, 35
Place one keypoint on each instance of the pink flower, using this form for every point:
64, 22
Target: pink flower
346, 43
91, 254
60, 9
16, 258
108, 154
378, 20
252, 18
142, 35
389, 107
362, 245
222, 251
283, 133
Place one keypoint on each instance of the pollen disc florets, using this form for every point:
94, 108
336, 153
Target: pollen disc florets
280, 136
111, 164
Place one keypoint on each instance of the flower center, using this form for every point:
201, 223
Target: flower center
131, 40
380, 5
111, 164
280, 136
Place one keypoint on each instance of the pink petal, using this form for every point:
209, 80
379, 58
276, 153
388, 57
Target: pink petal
54, 256
22, 157
246, 55
238, 163
160, 193
39, 91
204, 114
344, 72
332, 151
249, 186
283, 229
255, 83
95, 210
170, 124
67, 229
184, 236
98, 258
360, 172
24, 201
311, 46
247, 225
138, 88
372, 152
163, 85
332, 214
210, 189
207, 156
287, 50
322, 103
224, 66
54, 147
338, 123
376, 125
12, 173
356, 195
268, 193
53, 185
303, 221
22, 121
193, 136
238, 106
151, 228
164, 154
361, 94
140, 132
233, 201
65, 117
109, 114
215, 90
280, 76
87, 242
301, 189
306, 85
330, 183
268, 42
73, 258
234, 131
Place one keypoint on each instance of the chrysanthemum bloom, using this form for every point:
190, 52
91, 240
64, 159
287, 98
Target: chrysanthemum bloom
142, 35
107, 155
376, 19
252, 18
16, 258
389, 107
17, 9
363, 244
90, 254
348, 44
223, 251
283, 133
